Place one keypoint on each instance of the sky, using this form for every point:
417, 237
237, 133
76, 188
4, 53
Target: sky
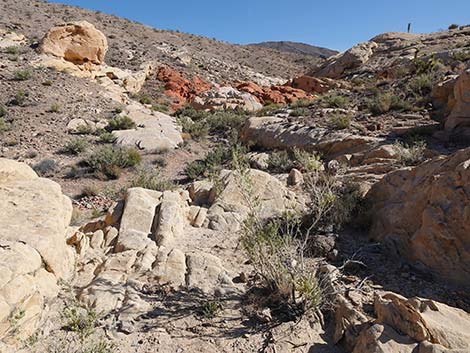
327, 23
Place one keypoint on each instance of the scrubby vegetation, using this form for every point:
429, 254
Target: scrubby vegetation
76, 146
151, 178
108, 162
283, 161
120, 122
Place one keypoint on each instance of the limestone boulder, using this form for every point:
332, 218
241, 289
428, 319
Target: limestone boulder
78, 42
34, 219
336, 66
233, 205
459, 104
423, 215
278, 133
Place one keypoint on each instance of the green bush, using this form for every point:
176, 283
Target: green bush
340, 121
76, 146
335, 101
410, 154
197, 129
121, 122
12, 50
421, 85
20, 98
269, 109
22, 75
379, 104
283, 161
4, 126
280, 162
107, 137
107, 162
299, 112
54, 108
158, 107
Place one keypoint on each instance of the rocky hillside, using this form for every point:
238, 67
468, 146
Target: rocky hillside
131, 44
298, 48
158, 197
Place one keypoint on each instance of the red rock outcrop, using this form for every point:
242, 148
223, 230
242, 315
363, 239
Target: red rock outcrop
274, 94
181, 89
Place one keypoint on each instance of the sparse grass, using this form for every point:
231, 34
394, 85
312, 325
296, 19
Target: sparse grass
20, 98
107, 137
197, 129
383, 102
151, 179
4, 126
296, 112
45, 167
420, 86
12, 50
54, 108
159, 107
283, 161
107, 162
76, 146
335, 101
121, 122
22, 75
269, 109
79, 320
210, 309
340, 121
84, 129
410, 154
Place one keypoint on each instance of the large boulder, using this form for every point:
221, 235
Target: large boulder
278, 133
459, 104
336, 66
233, 204
423, 214
77, 42
34, 220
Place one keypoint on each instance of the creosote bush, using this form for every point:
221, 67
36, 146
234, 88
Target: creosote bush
76, 146
107, 162
45, 167
22, 75
335, 101
410, 154
120, 122
340, 121
283, 161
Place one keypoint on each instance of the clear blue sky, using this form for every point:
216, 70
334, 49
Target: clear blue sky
335, 24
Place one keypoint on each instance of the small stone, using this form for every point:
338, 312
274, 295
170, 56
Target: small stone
295, 177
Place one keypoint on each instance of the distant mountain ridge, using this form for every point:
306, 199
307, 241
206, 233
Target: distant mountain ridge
297, 48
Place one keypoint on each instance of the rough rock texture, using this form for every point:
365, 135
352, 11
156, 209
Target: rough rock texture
458, 103
34, 219
181, 89
231, 206
313, 84
154, 131
274, 132
78, 42
223, 98
274, 94
423, 214
336, 65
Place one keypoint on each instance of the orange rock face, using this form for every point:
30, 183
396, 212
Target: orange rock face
180, 88
313, 84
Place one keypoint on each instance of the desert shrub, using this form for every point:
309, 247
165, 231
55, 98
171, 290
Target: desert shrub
296, 112
107, 137
80, 320
399, 104
335, 101
4, 126
463, 55
421, 85
120, 122
379, 104
280, 162
276, 250
159, 107
197, 129
12, 50
301, 103
47, 83
340, 121
191, 113
144, 99
3, 111
224, 121
54, 108
410, 154
107, 162
283, 161
210, 308
45, 167
22, 75
151, 179
76, 146
425, 66
90, 190
20, 98
453, 26
212, 163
